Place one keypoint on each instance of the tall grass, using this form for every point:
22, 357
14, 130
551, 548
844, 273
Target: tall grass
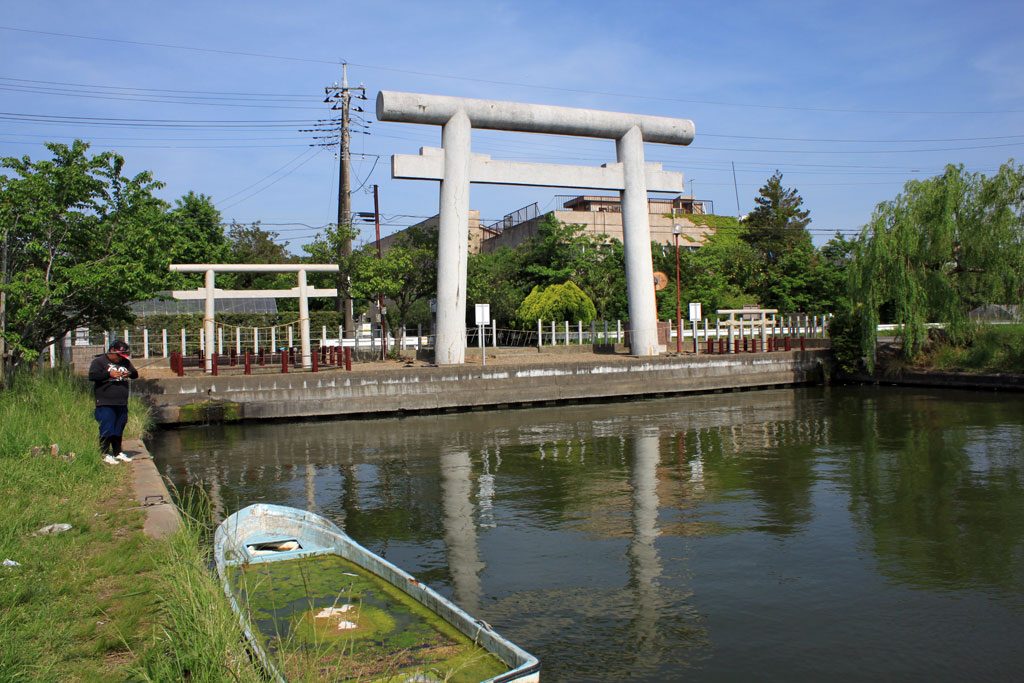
994, 348
100, 602
72, 609
199, 638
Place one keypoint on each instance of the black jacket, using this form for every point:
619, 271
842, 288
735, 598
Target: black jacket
108, 390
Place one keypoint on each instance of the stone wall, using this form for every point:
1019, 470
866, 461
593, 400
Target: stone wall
338, 393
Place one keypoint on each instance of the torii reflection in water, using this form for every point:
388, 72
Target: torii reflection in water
644, 563
460, 534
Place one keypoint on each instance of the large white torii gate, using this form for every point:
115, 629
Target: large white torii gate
209, 293
456, 167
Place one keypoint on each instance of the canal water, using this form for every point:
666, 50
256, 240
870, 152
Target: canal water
848, 532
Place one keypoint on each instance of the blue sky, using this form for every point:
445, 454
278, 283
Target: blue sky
848, 100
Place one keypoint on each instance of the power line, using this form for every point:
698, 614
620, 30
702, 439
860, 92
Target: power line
857, 140
631, 95
123, 146
127, 97
268, 186
269, 175
169, 121
258, 102
169, 46
190, 93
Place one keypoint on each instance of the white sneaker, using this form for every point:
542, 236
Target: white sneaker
123, 457
110, 460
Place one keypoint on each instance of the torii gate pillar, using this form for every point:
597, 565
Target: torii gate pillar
456, 167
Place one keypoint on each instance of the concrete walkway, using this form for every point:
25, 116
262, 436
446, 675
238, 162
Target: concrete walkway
162, 517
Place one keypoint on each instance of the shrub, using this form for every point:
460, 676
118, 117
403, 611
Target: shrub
556, 302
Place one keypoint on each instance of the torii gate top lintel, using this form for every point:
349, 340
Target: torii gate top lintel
254, 267
401, 107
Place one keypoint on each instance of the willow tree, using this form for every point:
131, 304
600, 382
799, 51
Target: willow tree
944, 246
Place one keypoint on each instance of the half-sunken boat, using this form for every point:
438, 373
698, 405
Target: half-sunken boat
314, 604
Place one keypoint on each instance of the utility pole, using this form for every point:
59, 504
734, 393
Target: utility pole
380, 256
735, 189
342, 97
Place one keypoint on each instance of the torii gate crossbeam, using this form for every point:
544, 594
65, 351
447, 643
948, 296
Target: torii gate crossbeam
456, 167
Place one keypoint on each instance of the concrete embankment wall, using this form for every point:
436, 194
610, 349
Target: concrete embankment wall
337, 393
945, 380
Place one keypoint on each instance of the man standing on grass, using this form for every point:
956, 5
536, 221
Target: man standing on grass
110, 373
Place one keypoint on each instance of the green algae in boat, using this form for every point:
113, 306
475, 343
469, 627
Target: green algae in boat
315, 605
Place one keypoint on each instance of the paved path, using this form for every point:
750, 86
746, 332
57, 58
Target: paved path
162, 517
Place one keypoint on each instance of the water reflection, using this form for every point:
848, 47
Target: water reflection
460, 528
706, 532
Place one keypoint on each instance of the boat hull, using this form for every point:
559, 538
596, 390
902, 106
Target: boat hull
273, 533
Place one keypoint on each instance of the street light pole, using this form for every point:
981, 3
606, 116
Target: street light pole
380, 297
676, 230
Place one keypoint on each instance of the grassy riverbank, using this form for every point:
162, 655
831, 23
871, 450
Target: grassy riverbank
100, 601
995, 348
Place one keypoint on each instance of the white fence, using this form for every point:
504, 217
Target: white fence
161, 343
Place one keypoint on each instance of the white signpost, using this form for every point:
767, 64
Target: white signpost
209, 293
456, 167
483, 318
694, 317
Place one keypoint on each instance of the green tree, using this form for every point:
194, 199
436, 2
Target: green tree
497, 278
556, 253
198, 233
556, 302
720, 273
777, 224
604, 278
405, 275
250, 243
83, 241
831, 274
942, 247
325, 248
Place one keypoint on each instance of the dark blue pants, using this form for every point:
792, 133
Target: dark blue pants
112, 420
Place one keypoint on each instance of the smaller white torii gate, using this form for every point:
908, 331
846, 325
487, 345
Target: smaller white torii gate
209, 293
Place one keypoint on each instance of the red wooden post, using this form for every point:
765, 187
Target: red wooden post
348, 359
736, 346
248, 364
803, 347
284, 362
753, 346
786, 340
316, 362
213, 364
711, 345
